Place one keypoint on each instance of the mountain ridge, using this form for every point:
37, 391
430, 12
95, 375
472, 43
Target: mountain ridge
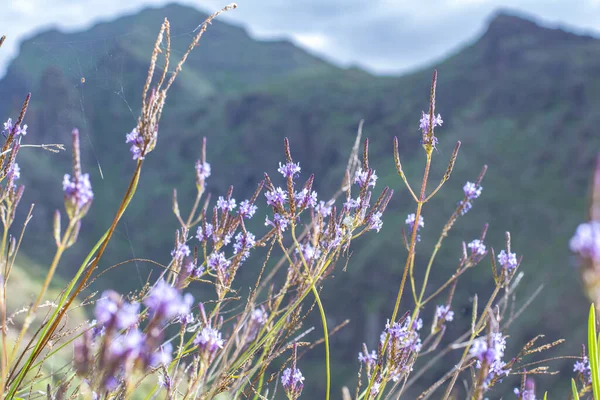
527, 111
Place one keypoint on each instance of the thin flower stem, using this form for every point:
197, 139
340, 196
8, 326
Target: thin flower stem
4, 344
321, 311
407, 267
55, 261
480, 324
64, 303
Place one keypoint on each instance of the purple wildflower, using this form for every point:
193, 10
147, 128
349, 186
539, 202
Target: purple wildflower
508, 261
374, 221
193, 269
586, 241
308, 252
472, 190
243, 243
583, 368
209, 340
110, 311
292, 381
225, 204
361, 178
289, 170
444, 312
351, 203
424, 122
490, 350
137, 144
306, 198
276, 198
15, 171
166, 303
279, 221
247, 209
477, 247
218, 261
367, 358
182, 250
203, 234
202, 169
8, 127
465, 206
323, 208
410, 221
77, 191
163, 356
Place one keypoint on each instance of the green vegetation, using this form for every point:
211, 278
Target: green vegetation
522, 99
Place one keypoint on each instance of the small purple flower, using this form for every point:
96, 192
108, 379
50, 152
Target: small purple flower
424, 122
443, 312
351, 203
306, 198
280, 222
193, 269
163, 356
15, 171
110, 310
586, 241
247, 209
243, 243
465, 206
368, 358
259, 316
477, 247
127, 346
361, 178
202, 169
289, 170
203, 234
374, 221
166, 303
410, 221
276, 198
8, 127
225, 204
182, 250
308, 252
583, 367
490, 350
137, 144
218, 261
292, 381
78, 192
323, 208
209, 340
508, 261
472, 190
525, 394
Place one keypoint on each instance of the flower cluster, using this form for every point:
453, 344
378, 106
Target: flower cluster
489, 350
507, 260
471, 191
586, 241
137, 144
293, 382
403, 346
77, 188
477, 247
410, 221
583, 368
9, 128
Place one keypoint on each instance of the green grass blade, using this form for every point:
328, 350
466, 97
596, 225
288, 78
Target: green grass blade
593, 352
573, 389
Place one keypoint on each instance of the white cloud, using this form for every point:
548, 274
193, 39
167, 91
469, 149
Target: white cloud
380, 35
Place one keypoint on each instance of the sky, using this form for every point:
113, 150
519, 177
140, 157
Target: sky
382, 36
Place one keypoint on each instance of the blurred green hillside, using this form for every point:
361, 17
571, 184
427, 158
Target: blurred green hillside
523, 99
